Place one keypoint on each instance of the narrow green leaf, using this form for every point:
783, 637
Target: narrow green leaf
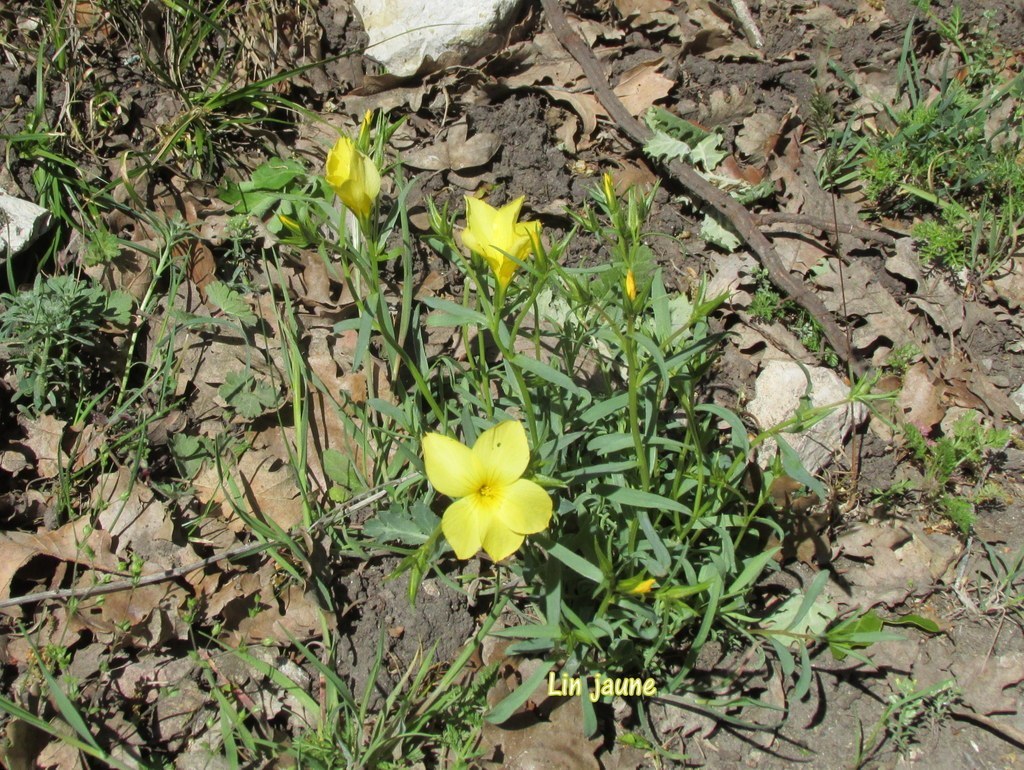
448, 313
925, 624
550, 374
640, 499
575, 562
512, 702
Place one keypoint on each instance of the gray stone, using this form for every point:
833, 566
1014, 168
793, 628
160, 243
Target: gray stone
779, 389
1018, 397
404, 33
21, 222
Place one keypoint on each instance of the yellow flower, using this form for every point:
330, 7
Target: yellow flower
630, 285
353, 176
494, 507
496, 235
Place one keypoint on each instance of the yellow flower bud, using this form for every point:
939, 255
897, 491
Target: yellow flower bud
353, 176
630, 285
609, 187
364, 128
643, 587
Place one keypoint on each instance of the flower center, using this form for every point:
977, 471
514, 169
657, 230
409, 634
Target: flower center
487, 491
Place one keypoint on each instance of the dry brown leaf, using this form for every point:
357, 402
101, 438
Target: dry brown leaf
457, 151
261, 483
130, 271
1009, 282
466, 152
146, 616
641, 8
76, 542
43, 435
920, 399
759, 135
531, 742
887, 324
892, 564
139, 522
726, 108
971, 388
640, 87
59, 755
298, 617
632, 174
986, 682
803, 194
930, 292
14, 461
557, 73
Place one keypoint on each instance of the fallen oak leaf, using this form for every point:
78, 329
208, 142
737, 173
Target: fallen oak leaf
640, 87
76, 541
43, 435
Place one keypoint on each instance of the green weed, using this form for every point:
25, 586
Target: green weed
53, 337
940, 159
908, 712
768, 306
963, 451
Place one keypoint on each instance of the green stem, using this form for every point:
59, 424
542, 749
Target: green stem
508, 356
634, 410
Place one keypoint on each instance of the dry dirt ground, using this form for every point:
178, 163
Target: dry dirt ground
949, 698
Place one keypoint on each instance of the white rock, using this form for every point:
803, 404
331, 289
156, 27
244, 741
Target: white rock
21, 222
403, 33
778, 391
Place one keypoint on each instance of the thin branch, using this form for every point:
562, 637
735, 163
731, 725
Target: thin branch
747, 24
857, 231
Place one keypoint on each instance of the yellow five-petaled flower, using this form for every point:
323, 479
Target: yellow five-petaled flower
498, 236
354, 177
495, 508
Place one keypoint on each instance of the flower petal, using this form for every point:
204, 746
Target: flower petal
525, 508
501, 542
354, 177
481, 220
530, 233
465, 524
371, 186
503, 453
505, 219
451, 467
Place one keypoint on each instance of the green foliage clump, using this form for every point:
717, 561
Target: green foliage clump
51, 335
